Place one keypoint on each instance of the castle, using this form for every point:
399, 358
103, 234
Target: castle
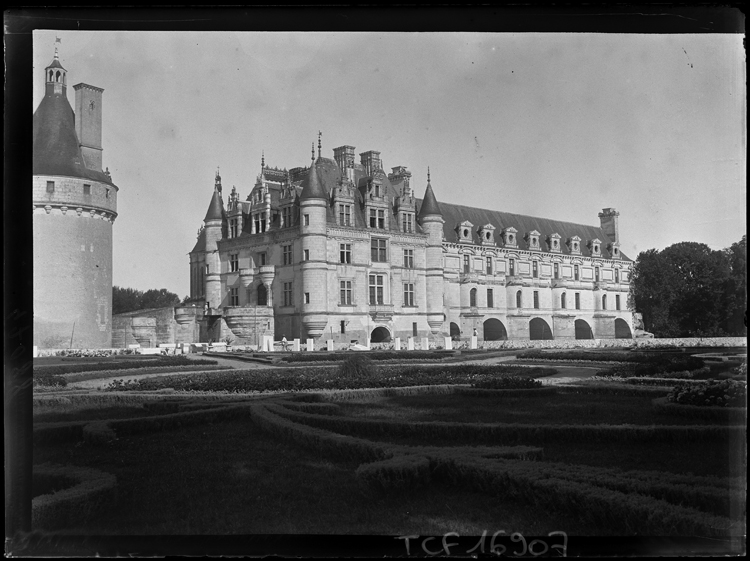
74, 206
342, 251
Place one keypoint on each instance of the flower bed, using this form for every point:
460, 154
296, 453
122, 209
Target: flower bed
373, 355
724, 393
59, 369
507, 383
329, 378
98, 374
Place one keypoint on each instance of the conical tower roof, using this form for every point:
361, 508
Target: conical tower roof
429, 203
313, 188
216, 208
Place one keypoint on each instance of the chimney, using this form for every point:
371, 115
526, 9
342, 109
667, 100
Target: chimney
371, 161
89, 124
608, 218
344, 156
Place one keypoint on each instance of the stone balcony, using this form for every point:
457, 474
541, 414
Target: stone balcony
381, 312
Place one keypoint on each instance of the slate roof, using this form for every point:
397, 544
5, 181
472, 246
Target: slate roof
215, 207
453, 215
430, 205
56, 150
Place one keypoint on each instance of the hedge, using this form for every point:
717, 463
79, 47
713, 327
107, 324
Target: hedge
93, 492
179, 360
722, 414
372, 355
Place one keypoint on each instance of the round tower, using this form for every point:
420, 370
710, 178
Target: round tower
74, 208
313, 210
431, 220
212, 226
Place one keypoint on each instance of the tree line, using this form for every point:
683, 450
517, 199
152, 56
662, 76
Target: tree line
691, 290
130, 299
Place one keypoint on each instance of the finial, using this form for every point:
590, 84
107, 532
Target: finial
428, 175
57, 40
262, 159
313, 152
319, 135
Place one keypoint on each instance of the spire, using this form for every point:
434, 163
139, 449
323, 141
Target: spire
313, 189
312, 156
319, 135
262, 159
216, 207
429, 203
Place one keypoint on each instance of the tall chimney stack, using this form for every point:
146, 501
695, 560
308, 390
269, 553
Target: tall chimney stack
89, 124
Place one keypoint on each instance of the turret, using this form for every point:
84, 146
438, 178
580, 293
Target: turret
56, 79
313, 210
431, 221
213, 223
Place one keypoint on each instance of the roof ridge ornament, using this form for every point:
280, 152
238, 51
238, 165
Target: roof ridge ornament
319, 135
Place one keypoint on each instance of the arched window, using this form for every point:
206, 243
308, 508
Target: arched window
51, 74
562, 301
57, 76
604, 302
262, 299
519, 299
473, 297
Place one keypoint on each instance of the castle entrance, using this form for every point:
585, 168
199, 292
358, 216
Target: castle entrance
380, 335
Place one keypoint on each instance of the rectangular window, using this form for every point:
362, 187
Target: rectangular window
307, 297
106, 192
536, 299
407, 222
489, 265
409, 258
557, 271
576, 272
306, 219
381, 219
467, 264
378, 250
256, 222
233, 228
86, 189
617, 301
345, 215
596, 274
578, 300
535, 269
50, 186
234, 297
345, 253
373, 218
262, 259
286, 216
376, 289
346, 293
414, 329
307, 255
343, 326
512, 267
287, 293
408, 294
234, 262
286, 253
490, 298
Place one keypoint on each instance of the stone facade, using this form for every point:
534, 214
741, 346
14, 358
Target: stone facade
342, 251
74, 209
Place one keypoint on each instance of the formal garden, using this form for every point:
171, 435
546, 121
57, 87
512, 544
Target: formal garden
650, 443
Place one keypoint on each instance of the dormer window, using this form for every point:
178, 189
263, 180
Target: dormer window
614, 250
509, 237
574, 244
377, 218
464, 230
407, 222
487, 234
595, 246
553, 242
532, 239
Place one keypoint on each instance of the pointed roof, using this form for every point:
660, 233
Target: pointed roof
56, 150
314, 188
429, 203
216, 208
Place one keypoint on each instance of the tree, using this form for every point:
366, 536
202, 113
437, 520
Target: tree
737, 257
686, 290
130, 299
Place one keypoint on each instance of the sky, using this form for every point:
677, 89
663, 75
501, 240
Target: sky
554, 125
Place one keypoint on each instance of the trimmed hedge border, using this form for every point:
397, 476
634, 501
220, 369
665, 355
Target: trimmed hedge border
525, 392
616, 389
94, 491
59, 369
511, 433
102, 374
730, 414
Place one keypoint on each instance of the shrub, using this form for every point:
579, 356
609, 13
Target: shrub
507, 382
178, 360
356, 366
724, 393
49, 380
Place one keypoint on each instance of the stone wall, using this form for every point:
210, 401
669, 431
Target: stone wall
164, 331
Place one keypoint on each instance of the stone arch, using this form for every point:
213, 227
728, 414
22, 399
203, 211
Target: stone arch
380, 335
261, 295
539, 330
583, 330
622, 329
455, 331
494, 330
